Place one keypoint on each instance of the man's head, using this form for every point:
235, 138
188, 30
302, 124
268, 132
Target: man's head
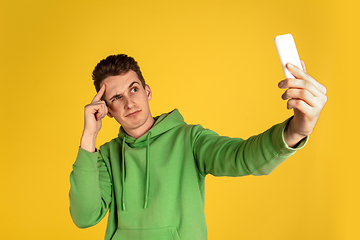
126, 94
115, 65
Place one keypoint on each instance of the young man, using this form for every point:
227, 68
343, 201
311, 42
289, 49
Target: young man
151, 177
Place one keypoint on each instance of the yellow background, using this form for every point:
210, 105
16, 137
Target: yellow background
216, 62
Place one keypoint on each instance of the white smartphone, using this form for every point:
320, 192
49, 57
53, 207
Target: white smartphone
286, 48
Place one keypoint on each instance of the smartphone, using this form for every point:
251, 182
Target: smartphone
286, 48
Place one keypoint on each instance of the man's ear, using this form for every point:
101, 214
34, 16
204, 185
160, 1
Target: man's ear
148, 92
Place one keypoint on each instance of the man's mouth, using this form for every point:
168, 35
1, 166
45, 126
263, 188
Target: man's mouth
133, 113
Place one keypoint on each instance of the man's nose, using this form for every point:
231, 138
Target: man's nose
129, 103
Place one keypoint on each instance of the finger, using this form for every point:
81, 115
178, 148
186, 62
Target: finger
299, 74
300, 84
303, 65
98, 113
102, 111
299, 105
305, 96
301, 94
97, 109
105, 110
99, 94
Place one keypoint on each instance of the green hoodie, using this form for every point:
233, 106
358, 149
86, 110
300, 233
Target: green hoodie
154, 185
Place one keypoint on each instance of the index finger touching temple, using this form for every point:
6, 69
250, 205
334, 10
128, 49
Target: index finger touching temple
99, 95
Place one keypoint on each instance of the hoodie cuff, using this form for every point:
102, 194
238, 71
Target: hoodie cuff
86, 161
279, 143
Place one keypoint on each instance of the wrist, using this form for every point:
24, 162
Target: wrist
88, 141
291, 137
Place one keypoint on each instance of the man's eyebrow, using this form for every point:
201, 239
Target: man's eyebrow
133, 84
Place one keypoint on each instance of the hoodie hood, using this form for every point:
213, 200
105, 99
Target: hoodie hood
163, 123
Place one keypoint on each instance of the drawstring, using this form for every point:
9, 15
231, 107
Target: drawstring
147, 183
123, 174
147, 180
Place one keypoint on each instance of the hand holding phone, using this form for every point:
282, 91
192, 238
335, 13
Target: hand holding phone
303, 93
286, 48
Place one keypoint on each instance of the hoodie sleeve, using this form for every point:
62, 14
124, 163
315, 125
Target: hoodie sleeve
258, 155
90, 191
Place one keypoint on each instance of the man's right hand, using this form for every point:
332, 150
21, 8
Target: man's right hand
93, 114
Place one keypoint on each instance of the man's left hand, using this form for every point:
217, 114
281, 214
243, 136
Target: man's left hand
307, 98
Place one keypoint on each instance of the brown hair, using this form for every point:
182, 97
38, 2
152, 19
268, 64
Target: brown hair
115, 65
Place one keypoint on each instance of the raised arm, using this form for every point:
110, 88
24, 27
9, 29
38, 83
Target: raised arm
90, 192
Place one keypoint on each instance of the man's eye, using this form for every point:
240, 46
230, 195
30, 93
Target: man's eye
133, 90
115, 98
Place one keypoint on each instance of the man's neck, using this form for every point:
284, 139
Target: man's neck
140, 131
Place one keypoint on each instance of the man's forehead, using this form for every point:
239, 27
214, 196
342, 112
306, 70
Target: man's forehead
118, 84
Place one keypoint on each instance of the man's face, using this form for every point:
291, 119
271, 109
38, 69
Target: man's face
128, 101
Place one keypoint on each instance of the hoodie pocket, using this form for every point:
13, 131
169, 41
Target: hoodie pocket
167, 233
